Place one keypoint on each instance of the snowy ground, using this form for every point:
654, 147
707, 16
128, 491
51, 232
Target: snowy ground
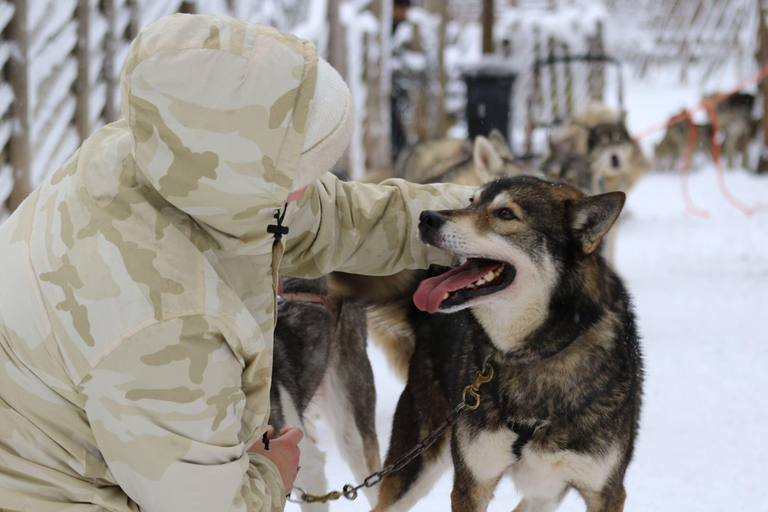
701, 290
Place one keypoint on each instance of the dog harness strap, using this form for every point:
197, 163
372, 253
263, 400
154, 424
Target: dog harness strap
330, 302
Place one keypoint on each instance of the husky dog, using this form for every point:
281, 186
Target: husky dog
443, 160
616, 162
600, 133
738, 126
536, 300
671, 149
457, 161
321, 367
573, 169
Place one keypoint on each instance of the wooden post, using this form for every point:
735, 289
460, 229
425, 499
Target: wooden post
762, 57
336, 52
19, 152
421, 98
568, 81
188, 7
440, 126
83, 82
111, 108
135, 24
534, 98
488, 17
554, 91
378, 77
597, 69
337, 55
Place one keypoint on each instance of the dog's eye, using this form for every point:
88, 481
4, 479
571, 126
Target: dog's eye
505, 214
471, 200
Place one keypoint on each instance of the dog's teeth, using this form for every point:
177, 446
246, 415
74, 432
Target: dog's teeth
480, 281
446, 295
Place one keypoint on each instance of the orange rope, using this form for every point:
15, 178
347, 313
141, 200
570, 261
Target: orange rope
708, 105
690, 207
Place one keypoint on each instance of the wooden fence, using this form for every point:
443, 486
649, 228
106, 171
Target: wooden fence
61, 60
696, 40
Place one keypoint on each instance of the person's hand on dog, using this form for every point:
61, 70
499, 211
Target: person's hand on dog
283, 452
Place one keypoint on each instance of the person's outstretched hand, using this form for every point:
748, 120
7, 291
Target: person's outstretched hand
283, 452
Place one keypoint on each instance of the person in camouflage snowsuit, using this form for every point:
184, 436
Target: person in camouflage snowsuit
138, 284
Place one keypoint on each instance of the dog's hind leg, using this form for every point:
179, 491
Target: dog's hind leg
351, 411
311, 477
413, 421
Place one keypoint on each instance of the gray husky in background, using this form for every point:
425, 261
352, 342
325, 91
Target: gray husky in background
535, 299
600, 134
738, 129
321, 368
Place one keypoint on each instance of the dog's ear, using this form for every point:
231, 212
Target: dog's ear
570, 138
499, 143
487, 159
590, 218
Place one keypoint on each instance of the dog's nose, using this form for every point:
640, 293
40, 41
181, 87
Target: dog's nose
615, 161
430, 220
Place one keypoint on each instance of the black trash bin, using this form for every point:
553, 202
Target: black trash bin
489, 100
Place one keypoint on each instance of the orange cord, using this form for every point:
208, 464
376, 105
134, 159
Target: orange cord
708, 105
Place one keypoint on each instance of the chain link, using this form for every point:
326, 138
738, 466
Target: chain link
349, 491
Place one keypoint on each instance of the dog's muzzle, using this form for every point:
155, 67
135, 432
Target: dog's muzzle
429, 223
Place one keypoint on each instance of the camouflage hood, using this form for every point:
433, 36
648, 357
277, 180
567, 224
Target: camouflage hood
218, 109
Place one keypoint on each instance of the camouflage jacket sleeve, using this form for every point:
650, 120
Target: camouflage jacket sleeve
364, 228
166, 410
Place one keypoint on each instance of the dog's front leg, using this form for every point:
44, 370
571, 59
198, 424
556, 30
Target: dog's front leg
471, 492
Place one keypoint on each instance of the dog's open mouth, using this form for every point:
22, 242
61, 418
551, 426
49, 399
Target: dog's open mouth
475, 278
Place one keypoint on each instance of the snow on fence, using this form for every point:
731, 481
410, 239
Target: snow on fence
696, 41
61, 61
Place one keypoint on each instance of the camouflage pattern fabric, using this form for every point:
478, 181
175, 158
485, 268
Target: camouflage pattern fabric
137, 285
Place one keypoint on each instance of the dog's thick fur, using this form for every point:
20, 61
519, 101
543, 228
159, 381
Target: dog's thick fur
739, 128
671, 149
562, 409
600, 134
321, 368
573, 169
459, 161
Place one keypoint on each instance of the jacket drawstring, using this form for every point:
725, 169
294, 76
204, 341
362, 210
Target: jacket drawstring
278, 230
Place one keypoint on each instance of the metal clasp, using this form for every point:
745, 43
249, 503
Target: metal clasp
473, 390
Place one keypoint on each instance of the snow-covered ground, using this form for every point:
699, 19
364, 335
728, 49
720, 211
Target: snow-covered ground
700, 287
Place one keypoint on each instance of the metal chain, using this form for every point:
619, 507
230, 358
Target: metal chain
349, 491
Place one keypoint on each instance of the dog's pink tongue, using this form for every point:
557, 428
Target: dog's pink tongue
430, 293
